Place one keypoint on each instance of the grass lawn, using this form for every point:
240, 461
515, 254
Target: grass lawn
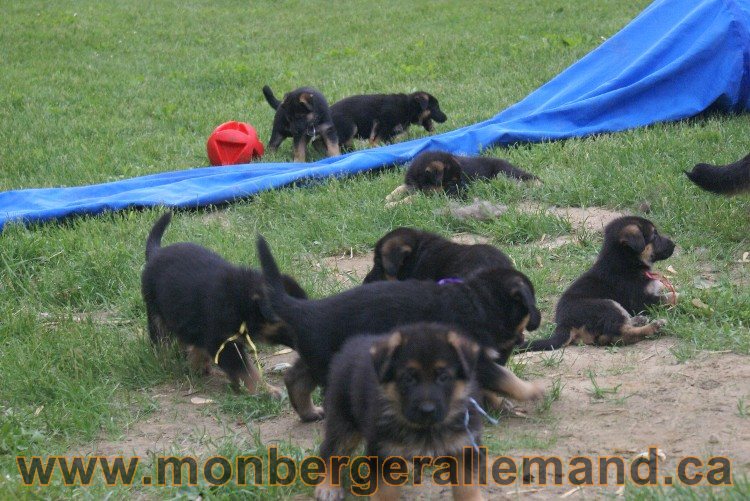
98, 91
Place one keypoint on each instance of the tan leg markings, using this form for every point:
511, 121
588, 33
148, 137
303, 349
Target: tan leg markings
518, 389
631, 333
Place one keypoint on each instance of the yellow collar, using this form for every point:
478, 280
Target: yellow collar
243, 332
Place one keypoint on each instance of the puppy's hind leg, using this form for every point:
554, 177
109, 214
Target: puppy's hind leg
631, 332
234, 361
157, 331
498, 379
300, 385
332, 141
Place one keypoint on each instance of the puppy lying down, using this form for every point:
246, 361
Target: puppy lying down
439, 171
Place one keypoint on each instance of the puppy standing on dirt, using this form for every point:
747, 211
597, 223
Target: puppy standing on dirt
381, 117
493, 307
598, 307
406, 394
729, 179
411, 253
201, 299
302, 115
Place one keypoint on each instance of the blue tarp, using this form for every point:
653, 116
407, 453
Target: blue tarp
678, 58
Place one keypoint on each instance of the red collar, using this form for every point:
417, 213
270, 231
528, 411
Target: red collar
654, 275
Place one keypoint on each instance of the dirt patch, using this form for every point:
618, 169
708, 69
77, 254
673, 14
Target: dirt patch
176, 426
218, 217
649, 399
590, 219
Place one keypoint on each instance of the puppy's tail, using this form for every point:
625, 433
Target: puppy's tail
272, 101
154, 237
270, 269
559, 338
723, 180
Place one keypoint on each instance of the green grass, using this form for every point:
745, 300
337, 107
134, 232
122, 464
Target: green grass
92, 92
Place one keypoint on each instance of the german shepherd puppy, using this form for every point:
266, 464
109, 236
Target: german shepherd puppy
598, 307
493, 307
444, 172
730, 179
411, 253
381, 117
405, 394
302, 115
195, 295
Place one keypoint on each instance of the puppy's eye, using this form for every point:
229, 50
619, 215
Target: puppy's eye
409, 377
444, 377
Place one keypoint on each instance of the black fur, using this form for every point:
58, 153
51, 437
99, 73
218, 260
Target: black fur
728, 179
598, 307
493, 307
381, 117
192, 293
411, 253
442, 171
405, 394
302, 115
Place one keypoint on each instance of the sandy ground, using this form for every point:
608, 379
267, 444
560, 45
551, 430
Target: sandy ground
683, 409
650, 400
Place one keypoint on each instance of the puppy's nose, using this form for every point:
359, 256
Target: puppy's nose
428, 409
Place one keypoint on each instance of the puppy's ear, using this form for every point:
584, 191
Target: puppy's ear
525, 295
435, 173
382, 353
306, 100
422, 100
393, 253
632, 236
467, 351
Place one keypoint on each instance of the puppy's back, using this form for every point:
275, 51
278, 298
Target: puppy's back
489, 167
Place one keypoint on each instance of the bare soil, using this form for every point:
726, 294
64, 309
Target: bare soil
688, 409
648, 399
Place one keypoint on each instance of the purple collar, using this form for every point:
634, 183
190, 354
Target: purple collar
444, 281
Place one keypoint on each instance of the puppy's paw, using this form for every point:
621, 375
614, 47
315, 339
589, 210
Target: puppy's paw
398, 193
275, 392
325, 492
535, 390
396, 203
658, 324
638, 321
315, 414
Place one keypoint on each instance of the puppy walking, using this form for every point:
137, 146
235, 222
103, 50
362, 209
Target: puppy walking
382, 117
405, 394
210, 306
302, 115
598, 307
493, 307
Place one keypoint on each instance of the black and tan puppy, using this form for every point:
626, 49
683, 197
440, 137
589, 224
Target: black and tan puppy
411, 253
381, 117
405, 394
730, 179
201, 299
598, 307
444, 172
493, 307
303, 115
